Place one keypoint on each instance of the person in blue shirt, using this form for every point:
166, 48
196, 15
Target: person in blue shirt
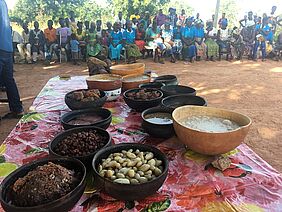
6, 64
74, 44
115, 43
199, 39
132, 49
262, 34
188, 41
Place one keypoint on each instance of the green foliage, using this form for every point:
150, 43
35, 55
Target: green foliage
158, 206
230, 7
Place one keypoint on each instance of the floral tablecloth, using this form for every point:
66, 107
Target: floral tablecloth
250, 184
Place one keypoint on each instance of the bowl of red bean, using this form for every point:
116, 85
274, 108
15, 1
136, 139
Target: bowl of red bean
142, 98
81, 143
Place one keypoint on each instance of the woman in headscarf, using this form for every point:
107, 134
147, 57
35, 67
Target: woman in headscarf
211, 36
199, 39
188, 41
154, 40
167, 34
115, 43
177, 38
132, 50
140, 38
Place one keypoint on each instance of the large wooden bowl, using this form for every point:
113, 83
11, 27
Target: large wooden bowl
104, 82
127, 69
209, 143
134, 80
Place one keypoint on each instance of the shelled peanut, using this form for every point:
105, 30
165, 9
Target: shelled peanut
130, 167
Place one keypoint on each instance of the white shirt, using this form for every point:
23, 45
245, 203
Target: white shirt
122, 21
17, 38
224, 34
213, 32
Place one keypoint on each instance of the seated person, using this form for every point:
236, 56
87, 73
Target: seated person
167, 34
132, 49
237, 44
223, 39
188, 41
115, 43
25, 47
17, 39
37, 41
199, 39
177, 39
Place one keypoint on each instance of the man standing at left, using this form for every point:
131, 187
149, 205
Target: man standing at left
6, 64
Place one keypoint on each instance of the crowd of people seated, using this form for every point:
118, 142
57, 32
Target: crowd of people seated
179, 37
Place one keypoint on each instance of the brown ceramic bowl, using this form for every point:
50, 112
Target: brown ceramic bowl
134, 80
104, 82
127, 69
210, 143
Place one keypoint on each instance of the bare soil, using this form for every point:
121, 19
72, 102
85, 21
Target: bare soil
253, 88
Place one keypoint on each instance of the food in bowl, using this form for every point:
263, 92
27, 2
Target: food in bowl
130, 167
85, 119
144, 94
159, 118
81, 144
210, 124
86, 95
44, 184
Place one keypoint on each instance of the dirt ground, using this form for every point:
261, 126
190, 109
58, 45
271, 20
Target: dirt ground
253, 88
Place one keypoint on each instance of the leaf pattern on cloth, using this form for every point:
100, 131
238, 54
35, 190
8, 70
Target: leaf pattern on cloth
158, 206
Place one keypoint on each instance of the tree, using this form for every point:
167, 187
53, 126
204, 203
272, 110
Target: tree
231, 9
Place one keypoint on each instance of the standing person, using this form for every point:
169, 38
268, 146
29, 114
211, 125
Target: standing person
140, 38
222, 20
71, 22
146, 21
63, 37
109, 28
132, 49
211, 36
99, 28
237, 45
17, 39
199, 39
25, 47
134, 23
177, 39
80, 36
249, 34
261, 37
223, 39
120, 20
197, 19
115, 43
50, 40
188, 41
37, 41
172, 17
86, 26
74, 45
6, 64
182, 17
160, 18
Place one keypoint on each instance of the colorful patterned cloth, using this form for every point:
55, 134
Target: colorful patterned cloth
250, 184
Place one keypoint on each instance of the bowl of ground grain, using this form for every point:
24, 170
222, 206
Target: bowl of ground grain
208, 130
49, 184
81, 143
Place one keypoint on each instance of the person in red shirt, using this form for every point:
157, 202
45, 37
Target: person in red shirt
51, 41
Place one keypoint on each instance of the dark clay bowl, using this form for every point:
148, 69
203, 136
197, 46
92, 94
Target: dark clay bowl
170, 90
154, 129
104, 123
78, 105
140, 105
129, 192
87, 159
156, 85
176, 101
167, 79
65, 203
